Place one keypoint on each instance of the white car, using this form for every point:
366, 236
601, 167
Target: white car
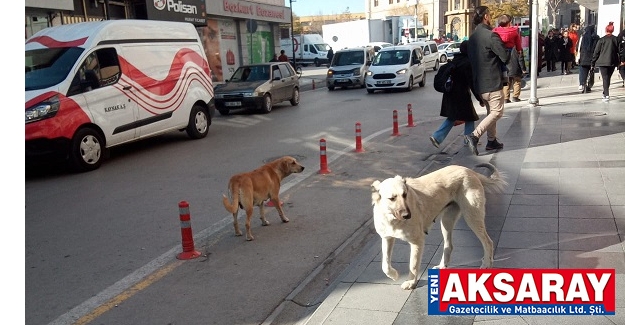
431, 58
396, 67
447, 50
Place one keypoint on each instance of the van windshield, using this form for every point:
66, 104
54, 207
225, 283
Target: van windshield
391, 57
349, 58
322, 47
48, 67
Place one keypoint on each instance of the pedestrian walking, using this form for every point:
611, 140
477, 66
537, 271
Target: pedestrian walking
541, 52
587, 46
621, 55
486, 53
565, 53
516, 66
606, 58
574, 39
330, 54
274, 58
457, 105
551, 51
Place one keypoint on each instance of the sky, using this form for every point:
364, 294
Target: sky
325, 7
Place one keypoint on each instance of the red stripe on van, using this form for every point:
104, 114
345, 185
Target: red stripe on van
50, 42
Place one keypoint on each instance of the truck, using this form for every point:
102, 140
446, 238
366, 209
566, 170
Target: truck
407, 27
309, 49
357, 33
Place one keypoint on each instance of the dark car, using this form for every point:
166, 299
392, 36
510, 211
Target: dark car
259, 87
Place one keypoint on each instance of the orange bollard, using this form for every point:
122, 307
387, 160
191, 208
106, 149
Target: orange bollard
358, 138
323, 159
410, 120
395, 124
188, 247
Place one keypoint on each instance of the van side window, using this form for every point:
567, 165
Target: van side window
100, 69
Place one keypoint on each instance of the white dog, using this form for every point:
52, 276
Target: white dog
406, 208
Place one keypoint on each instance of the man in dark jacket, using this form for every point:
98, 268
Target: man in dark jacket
551, 51
586, 49
457, 104
621, 55
486, 54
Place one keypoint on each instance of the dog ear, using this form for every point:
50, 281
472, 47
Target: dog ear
375, 195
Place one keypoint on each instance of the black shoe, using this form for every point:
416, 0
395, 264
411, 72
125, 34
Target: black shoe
472, 142
508, 101
434, 142
587, 89
494, 145
516, 99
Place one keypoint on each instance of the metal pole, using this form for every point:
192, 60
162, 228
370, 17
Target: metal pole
292, 36
533, 101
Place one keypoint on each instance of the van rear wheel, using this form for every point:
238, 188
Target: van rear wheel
86, 150
198, 122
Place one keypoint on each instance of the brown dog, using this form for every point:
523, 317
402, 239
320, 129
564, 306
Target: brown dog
255, 187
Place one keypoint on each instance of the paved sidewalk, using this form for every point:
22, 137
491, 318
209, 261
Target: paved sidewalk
564, 208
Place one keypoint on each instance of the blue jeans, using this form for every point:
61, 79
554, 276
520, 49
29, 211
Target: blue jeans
442, 132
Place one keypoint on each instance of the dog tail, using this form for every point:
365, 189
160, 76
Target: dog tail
496, 182
234, 191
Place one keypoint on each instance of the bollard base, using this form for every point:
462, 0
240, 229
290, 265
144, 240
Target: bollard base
188, 255
324, 171
359, 150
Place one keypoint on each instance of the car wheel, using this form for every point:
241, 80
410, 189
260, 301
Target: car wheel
86, 150
295, 97
422, 82
224, 112
443, 58
198, 122
410, 81
317, 63
267, 104
436, 65
330, 88
370, 91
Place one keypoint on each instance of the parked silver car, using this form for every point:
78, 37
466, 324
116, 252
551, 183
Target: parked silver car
258, 86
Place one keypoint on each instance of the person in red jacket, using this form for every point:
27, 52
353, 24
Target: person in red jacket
574, 38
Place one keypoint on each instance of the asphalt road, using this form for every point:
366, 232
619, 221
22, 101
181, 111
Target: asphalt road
88, 235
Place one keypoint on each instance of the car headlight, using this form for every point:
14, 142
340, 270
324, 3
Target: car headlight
402, 71
368, 73
248, 94
330, 73
356, 72
219, 96
43, 110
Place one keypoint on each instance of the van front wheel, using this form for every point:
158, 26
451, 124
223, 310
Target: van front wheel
86, 150
198, 122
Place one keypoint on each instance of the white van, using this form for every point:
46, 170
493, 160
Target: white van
95, 85
396, 67
431, 57
348, 67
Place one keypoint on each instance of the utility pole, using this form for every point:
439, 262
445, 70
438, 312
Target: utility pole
292, 36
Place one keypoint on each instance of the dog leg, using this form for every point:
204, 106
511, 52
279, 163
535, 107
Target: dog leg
416, 252
263, 220
276, 202
237, 231
249, 210
476, 223
387, 253
449, 217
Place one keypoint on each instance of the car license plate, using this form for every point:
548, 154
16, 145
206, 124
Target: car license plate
230, 104
383, 82
342, 80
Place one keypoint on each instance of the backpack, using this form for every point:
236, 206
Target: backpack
443, 81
